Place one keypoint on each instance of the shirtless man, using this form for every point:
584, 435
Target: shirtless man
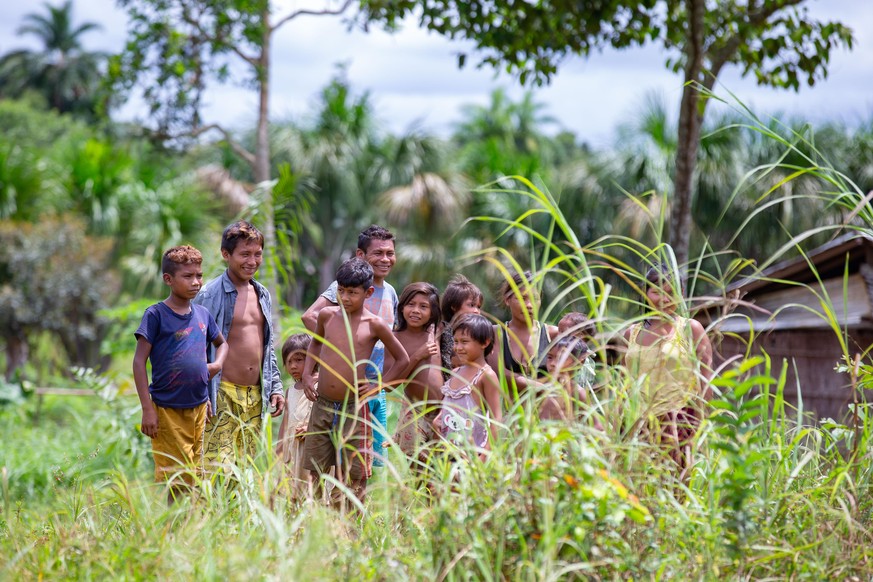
250, 383
340, 425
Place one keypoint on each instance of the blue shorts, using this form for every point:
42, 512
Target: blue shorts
379, 417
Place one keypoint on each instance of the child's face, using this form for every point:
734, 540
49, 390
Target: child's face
560, 361
467, 348
186, 282
470, 305
660, 296
417, 311
245, 260
381, 257
352, 298
294, 364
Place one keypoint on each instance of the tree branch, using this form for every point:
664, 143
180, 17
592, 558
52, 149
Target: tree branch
242, 152
297, 13
728, 50
188, 19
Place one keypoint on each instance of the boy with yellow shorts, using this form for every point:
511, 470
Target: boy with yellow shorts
173, 335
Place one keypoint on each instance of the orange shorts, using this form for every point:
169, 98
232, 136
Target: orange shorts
178, 447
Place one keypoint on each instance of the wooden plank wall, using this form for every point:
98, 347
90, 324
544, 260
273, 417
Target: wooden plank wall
811, 357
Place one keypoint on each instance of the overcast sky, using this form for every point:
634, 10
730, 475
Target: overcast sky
413, 77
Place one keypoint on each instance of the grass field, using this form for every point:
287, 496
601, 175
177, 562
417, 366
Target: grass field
768, 500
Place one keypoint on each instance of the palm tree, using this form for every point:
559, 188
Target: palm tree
503, 138
62, 71
426, 200
333, 158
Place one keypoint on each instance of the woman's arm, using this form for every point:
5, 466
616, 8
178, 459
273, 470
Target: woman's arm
489, 388
704, 355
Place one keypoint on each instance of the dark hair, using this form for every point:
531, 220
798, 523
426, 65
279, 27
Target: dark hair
240, 231
478, 328
577, 323
298, 342
459, 290
177, 256
355, 272
661, 273
522, 280
410, 291
577, 347
371, 233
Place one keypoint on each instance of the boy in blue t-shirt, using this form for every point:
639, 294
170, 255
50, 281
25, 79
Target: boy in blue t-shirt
173, 335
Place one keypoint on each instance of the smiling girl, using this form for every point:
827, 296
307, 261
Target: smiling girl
418, 313
471, 397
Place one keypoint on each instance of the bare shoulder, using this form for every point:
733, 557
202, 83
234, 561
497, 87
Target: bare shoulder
328, 312
489, 376
697, 328
373, 320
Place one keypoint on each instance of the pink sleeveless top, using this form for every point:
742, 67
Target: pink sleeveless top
461, 419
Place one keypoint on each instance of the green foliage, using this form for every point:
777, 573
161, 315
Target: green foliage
179, 47
41, 293
739, 433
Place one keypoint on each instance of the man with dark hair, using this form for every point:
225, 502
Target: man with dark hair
250, 382
376, 247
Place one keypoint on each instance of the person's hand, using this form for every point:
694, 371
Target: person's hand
429, 349
300, 432
310, 388
278, 402
209, 413
213, 368
149, 425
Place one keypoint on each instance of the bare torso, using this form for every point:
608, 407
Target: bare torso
336, 377
426, 383
245, 341
521, 342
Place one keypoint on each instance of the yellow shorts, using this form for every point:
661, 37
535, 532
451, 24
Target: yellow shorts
233, 431
178, 447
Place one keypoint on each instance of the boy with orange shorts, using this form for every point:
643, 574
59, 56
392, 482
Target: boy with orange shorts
173, 335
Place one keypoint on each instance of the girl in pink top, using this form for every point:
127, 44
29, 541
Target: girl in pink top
471, 397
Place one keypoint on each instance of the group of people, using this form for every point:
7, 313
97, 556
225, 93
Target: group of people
215, 376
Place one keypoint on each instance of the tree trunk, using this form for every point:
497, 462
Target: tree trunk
262, 169
690, 121
17, 352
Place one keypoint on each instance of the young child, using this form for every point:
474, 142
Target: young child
471, 398
576, 324
564, 360
460, 297
417, 318
339, 425
173, 335
294, 425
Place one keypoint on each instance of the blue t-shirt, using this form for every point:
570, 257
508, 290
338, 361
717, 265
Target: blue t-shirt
383, 303
178, 356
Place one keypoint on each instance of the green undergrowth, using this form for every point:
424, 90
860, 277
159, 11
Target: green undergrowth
768, 499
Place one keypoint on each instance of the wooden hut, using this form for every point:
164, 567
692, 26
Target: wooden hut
789, 321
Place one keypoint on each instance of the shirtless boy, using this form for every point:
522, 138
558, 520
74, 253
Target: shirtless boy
376, 246
250, 383
340, 429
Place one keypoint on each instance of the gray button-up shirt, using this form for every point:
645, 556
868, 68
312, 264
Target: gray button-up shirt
219, 297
